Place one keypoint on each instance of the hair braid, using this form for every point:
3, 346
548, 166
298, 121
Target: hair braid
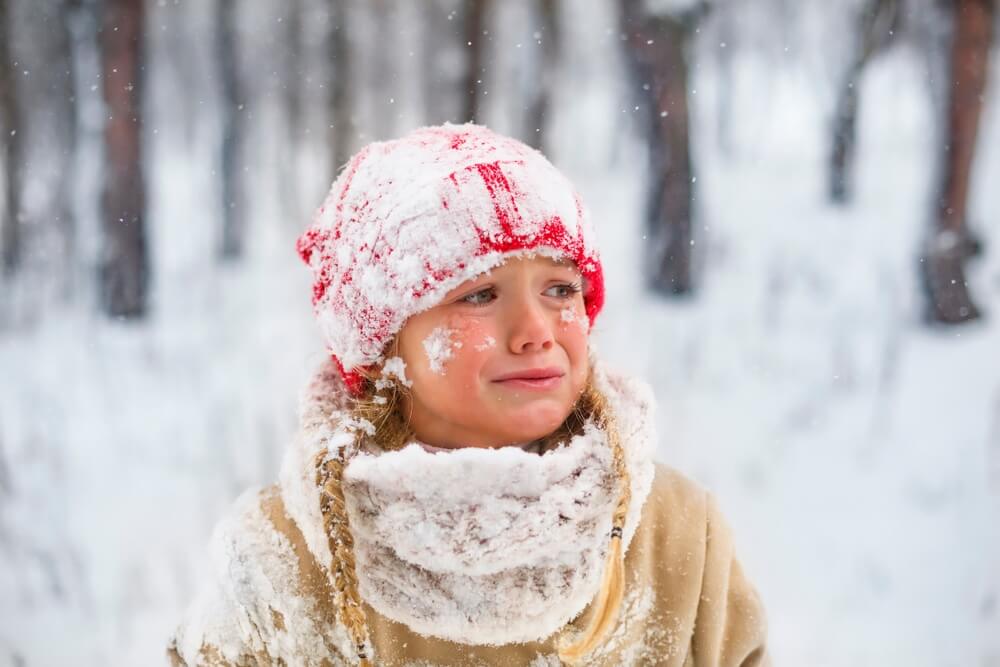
329, 478
608, 601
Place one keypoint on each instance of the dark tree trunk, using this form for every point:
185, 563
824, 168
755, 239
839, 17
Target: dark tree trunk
12, 147
382, 82
342, 133
233, 133
475, 26
124, 269
969, 63
656, 48
951, 245
65, 105
442, 48
876, 27
548, 13
294, 67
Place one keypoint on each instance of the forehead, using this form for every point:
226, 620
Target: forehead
526, 264
529, 262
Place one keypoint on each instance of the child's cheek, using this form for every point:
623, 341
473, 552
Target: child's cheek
456, 350
478, 343
474, 335
574, 336
574, 321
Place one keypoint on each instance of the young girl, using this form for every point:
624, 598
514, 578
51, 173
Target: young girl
470, 484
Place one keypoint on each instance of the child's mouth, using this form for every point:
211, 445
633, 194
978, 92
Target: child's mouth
536, 379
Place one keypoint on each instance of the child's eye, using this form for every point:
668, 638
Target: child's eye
480, 298
563, 290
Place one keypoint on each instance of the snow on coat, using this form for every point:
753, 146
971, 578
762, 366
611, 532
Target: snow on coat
473, 557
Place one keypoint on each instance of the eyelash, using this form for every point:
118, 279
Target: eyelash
573, 289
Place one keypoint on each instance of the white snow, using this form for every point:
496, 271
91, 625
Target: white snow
439, 346
393, 367
855, 452
570, 316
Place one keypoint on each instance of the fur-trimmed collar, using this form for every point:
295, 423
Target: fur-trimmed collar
477, 546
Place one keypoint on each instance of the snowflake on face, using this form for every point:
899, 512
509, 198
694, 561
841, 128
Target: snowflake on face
440, 347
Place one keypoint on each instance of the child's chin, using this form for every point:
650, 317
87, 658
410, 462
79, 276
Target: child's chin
537, 421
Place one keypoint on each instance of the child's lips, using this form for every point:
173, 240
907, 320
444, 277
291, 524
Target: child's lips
540, 384
532, 380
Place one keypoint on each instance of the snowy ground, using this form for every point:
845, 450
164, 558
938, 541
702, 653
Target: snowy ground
855, 451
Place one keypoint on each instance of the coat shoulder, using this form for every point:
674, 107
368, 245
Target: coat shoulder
269, 599
705, 609
676, 509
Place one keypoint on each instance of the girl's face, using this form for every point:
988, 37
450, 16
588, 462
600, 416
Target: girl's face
501, 360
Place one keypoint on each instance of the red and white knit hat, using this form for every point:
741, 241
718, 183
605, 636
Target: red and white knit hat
408, 220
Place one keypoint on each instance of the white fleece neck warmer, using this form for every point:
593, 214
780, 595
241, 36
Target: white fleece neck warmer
477, 546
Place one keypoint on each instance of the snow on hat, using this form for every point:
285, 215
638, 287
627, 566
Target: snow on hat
408, 220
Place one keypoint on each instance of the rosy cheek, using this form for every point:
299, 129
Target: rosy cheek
575, 332
486, 343
456, 345
478, 339
475, 335
573, 320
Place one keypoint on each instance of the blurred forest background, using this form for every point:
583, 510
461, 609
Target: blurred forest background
798, 207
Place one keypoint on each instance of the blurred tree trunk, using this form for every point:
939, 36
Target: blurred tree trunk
233, 133
124, 269
443, 53
64, 121
725, 16
548, 14
951, 244
294, 67
475, 27
382, 84
342, 132
11, 149
877, 25
38, 115
656, 49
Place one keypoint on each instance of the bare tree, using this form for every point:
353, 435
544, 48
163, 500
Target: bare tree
382, 19
294, 68
656, 46
951, 245
877, 24
443, 54
63, 122
342, 132
294, 57
11, 148
475, 29
538, 109
234, 128
38, 117
124, 267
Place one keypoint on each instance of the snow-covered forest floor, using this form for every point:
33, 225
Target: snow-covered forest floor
855, 451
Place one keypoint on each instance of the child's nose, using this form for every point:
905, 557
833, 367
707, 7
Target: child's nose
530, 329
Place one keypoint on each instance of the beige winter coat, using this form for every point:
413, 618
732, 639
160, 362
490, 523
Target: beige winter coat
493, 570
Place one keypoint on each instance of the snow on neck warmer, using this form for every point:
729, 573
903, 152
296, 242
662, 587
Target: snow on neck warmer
477, 546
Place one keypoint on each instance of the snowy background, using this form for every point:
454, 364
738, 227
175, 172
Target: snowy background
855, 450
